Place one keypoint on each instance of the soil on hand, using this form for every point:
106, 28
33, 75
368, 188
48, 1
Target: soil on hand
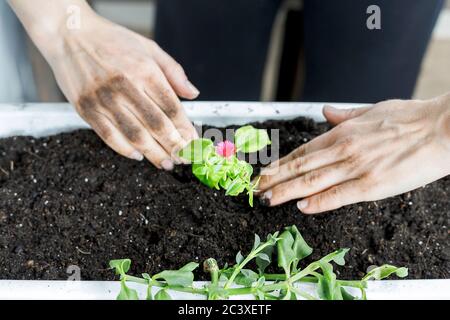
69, 200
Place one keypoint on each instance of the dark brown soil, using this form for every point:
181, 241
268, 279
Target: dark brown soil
68, 200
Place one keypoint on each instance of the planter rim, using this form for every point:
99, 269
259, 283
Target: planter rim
42, 119
435, 289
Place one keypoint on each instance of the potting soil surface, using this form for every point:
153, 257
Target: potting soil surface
68, 200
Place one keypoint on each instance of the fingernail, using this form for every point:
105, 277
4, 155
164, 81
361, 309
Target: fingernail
167, 164
302, 204
136, 155
265, 198
192, 88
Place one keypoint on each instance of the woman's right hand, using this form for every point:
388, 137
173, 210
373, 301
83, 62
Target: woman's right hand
124, 85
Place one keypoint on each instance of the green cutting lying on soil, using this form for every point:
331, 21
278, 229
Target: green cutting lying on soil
289, 248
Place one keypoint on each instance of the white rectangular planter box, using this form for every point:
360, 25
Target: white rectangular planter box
45, 119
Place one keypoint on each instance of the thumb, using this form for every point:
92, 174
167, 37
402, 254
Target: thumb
336, 116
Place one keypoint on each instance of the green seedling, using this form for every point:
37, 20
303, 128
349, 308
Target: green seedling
219, 167
287, 248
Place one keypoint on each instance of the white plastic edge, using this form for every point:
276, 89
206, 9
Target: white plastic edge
47, 119
108, 290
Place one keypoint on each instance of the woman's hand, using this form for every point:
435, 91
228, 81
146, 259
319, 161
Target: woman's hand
373, 153
124, 85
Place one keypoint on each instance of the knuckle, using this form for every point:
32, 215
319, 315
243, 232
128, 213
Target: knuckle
169, 103
175, 68
105, 95
134, 135
130, 130
105, 133
300, 151
354, 161
347, 145
174, 139
85, 106
312, 177
297, 164
154, 121
345, 127
279, 192
118, 82
329, 198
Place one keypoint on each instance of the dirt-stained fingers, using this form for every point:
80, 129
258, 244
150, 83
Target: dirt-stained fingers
123, 132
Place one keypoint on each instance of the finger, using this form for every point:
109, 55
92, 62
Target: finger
160, 92
298, 166
308, 184
117, 111
321, 142
112, 136
174, 73
122, 93
336, 116
141, 139
337, 196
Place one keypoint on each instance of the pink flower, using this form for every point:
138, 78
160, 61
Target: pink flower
226, 149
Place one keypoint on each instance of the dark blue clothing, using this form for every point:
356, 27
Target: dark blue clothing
223, 44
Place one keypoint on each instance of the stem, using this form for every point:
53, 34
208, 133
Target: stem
165, 286
135, 279
243, 263
252, 290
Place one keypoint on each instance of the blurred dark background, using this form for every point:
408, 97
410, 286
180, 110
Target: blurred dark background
282, 75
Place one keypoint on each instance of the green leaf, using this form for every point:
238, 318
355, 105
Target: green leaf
246, 278
239, 258
346, 295
176, 278
248, 139
191, 266
225, 182
257, 242
385, 271
246, 169
162, 295
127, 293
146, 276
285, 252
291, 248
250, 198
300, 247
236, 187
121, 266
327, 286
199, 170
264, 259
339, 258
336, 256
197, 151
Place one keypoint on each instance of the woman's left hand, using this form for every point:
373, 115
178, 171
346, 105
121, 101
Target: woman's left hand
374, 152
